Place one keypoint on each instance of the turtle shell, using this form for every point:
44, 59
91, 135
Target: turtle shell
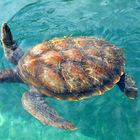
72, 68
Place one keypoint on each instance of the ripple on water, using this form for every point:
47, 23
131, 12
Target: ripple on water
111, 116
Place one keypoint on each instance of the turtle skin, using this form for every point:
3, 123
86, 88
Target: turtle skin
72, 68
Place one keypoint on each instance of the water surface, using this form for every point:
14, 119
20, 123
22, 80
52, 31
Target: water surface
111, 116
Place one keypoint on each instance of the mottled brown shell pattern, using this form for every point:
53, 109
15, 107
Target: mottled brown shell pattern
72, 68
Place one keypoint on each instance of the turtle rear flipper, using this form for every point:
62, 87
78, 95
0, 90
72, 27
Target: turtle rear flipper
127, 85
35, 104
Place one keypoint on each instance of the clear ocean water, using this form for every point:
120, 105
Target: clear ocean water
109, 117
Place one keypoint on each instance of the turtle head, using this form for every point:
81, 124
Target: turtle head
127, 85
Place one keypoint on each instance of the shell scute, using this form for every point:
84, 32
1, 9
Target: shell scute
79, 42
74, 77
58, 44
51, 57
51, 79
39, 49
72, 54
97, 74
30, 65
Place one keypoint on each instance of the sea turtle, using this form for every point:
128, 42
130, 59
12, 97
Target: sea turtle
67, 68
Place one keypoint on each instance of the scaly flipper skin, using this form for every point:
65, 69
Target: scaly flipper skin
9, 76
127, 85
35, 104
12, 52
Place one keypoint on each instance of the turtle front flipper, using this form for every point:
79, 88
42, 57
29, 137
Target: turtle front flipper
11, 49
127, 85
9, 76
35, 104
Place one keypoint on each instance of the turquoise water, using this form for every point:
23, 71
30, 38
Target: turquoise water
109, 117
